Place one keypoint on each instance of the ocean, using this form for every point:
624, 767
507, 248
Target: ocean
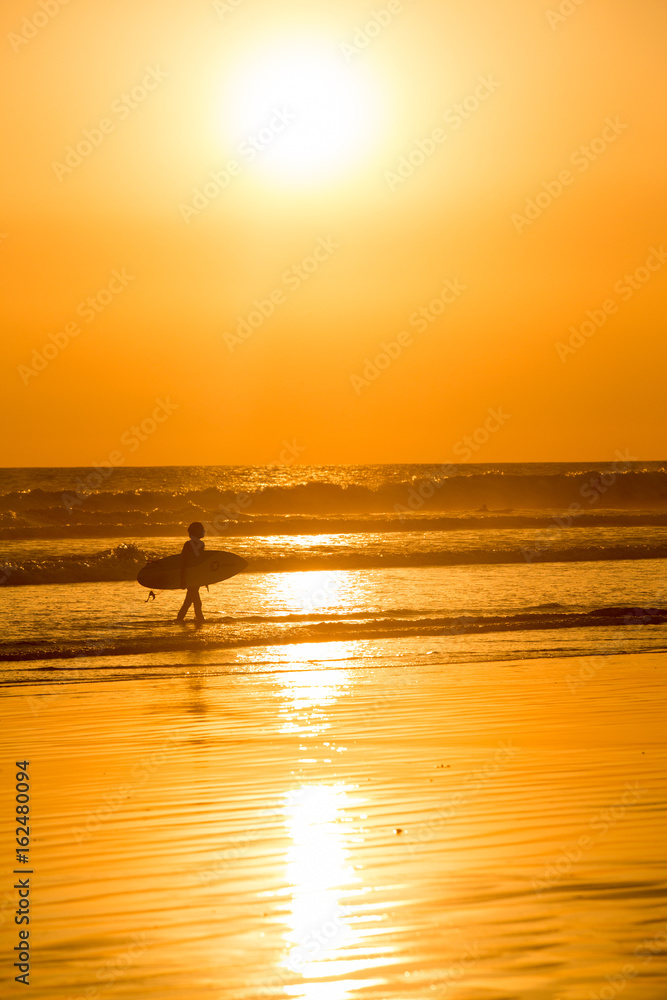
464, 564
412, 752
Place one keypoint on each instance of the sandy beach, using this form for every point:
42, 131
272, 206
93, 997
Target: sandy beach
329, 832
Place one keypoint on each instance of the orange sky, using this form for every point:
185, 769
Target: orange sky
366, 162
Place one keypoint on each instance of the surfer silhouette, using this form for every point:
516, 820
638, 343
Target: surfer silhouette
190, 554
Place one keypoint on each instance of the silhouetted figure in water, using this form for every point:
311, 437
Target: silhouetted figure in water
190, 555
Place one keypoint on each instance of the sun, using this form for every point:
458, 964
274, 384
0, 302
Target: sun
300, 112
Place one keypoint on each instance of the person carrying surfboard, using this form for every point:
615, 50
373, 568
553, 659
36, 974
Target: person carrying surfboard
190, 555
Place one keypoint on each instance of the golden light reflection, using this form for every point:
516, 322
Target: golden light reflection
309, 692
317, 870
315, 688
323, 936
307, 541
311, 592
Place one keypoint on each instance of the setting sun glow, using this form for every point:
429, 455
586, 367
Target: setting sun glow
259, 211
301, 112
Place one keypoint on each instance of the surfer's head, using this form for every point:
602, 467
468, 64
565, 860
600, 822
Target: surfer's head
196, 530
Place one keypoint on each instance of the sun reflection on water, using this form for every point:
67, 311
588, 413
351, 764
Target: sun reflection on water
323, 937
315, 688
317, 870
309, 692
312, 592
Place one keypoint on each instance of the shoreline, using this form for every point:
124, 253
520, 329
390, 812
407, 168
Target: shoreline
242, 657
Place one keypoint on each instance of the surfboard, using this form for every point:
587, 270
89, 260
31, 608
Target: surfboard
212, 567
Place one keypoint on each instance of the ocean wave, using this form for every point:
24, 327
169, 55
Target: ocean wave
402, 493
269, 630
124, 561
47, 524
121, 563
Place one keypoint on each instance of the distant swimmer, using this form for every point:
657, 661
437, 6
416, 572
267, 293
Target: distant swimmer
190, 555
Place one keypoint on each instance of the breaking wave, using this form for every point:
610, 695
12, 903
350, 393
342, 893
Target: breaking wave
124, 561
251, 504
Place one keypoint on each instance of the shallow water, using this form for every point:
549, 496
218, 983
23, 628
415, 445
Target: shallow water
466, 612
253, 834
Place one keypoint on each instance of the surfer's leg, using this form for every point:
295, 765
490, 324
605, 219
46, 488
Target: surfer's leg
196, 600
186, 605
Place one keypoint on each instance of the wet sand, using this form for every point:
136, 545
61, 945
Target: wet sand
479, 831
